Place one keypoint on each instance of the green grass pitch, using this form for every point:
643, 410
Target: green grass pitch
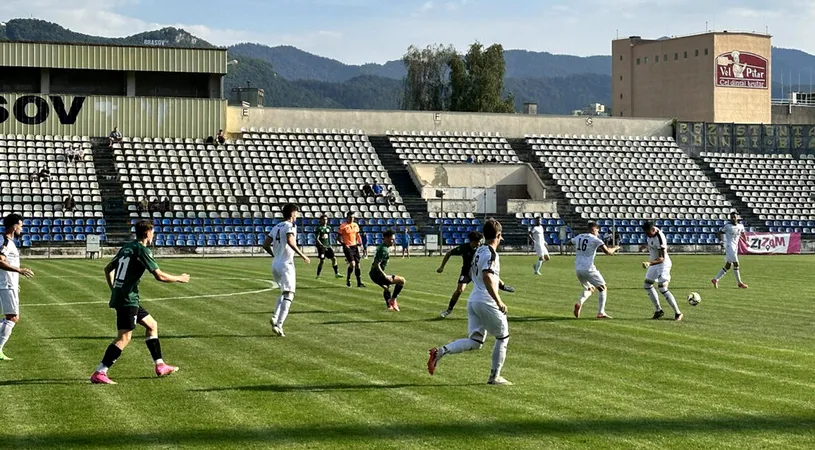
737, 373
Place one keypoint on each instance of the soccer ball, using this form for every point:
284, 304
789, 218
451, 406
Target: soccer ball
694, 298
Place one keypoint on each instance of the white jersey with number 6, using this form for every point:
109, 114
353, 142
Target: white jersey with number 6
283, 254
485, 260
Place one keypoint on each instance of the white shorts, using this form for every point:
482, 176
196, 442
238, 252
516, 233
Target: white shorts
660, 273
285, 276
486, 318
541, 251
10, 302
731, 255
591, 277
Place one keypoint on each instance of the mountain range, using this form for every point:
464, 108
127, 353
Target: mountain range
294, 78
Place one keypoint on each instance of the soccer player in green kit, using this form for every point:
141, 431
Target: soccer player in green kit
324, 249
466, 251
382, 279
123, 275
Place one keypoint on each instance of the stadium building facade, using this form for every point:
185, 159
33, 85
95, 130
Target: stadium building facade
710, 77
84, 89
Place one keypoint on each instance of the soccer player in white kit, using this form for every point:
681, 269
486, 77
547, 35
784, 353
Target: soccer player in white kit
486, 313
281, 243
539, 241
659, 271
586, 246
10, 272
730, 234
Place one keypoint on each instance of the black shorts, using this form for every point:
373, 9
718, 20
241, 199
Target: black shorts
128, 316
464, 277
381, 280
325, 253
351, 253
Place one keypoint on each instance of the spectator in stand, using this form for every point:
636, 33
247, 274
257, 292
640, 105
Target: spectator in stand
367, 191
221, 137
80, 154
44, 174
143, 205
470, 159
68, 203
377, 188
165, 205
115, 136
155, 206
390, 199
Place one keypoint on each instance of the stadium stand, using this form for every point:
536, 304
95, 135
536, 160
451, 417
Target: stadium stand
776, 187
40, 201
452, 147
230, 195
630, 179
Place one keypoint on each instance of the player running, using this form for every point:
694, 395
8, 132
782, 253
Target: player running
538, 237
730, 234
324, 249
659, 270
10, 272
586, 246
466, 251
123, 275
486, 312
351, 240
382, 279
281, 243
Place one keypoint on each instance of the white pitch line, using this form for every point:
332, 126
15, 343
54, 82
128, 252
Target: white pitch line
163, 299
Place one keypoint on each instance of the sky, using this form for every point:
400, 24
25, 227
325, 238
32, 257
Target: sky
362, 31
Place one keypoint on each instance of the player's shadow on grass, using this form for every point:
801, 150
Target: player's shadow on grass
324, 387
313, 311
165, 337
361, 322
317, 433
42, 381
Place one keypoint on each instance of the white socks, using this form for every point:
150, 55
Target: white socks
737, 273
584, 297
603, 295
652, 294
460, 346
5, 332
281, 311
721, 274
499, 354
670, 299
538, 266
102, 368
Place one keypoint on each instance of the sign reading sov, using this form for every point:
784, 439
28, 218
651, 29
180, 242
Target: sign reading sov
771, 244
741, 70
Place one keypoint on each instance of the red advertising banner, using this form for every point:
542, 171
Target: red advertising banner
770, 244
741, 70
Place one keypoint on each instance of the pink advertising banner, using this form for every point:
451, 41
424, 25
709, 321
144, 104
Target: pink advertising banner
741, 70
770, 244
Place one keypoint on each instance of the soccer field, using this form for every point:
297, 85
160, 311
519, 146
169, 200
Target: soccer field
737, 373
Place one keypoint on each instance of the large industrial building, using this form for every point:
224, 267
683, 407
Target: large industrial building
710, 77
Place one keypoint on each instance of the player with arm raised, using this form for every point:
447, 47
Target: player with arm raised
324, 250
659, 270
486, 312
351, 241
586, 246
10, 272
466, 251
382, 279
537, 235
730, 235
123, 275
281, 244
